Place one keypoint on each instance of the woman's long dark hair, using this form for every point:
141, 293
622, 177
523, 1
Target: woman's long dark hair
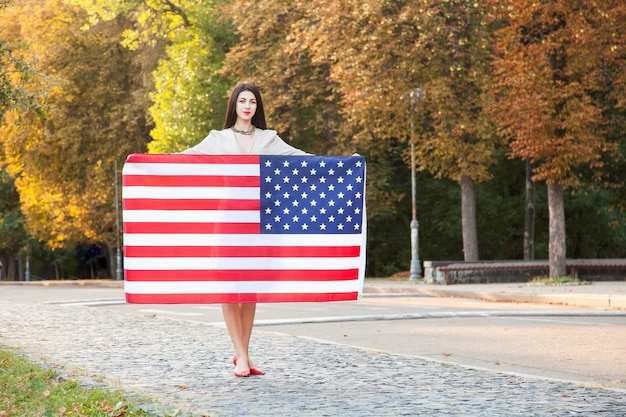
258, 120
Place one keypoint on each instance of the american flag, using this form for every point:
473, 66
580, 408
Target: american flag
243, 228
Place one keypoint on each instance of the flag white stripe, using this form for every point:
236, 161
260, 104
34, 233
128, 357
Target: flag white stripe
248, 263
192, 169
192, 216
169, 193
222, 287
161, 239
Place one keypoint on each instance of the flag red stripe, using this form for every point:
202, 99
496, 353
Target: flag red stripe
241, 251
198, 228
190, 204
238, 298
241, 275
190, 181
192, 159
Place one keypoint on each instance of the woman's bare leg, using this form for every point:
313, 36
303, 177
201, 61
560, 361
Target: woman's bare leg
239, 320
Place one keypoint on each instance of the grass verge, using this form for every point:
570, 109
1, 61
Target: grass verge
27, 389
564, 280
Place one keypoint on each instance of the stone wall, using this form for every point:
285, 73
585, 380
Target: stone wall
432, 274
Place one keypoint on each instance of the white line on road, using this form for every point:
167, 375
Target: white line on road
86, 303
439, 315
170, 312
580, 323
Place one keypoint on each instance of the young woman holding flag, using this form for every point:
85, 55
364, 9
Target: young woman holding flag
244, 132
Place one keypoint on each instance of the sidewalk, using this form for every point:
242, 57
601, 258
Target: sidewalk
600, 294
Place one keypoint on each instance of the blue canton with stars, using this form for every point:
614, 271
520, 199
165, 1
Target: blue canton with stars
312, 194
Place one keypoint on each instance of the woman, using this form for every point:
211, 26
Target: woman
244, 132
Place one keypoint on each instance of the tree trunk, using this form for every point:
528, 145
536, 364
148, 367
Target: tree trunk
529, 215
9, 267
468, 218
20, 268
13, 269
556, 247
113, 263
4, 261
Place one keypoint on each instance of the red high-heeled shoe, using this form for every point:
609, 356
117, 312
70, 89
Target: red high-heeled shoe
253, 371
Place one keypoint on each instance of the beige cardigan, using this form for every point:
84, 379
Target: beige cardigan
222, 142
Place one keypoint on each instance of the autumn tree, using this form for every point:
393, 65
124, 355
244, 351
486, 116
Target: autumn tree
379, 52
16, 73
302, 101
560, 66
299, 94
95, 114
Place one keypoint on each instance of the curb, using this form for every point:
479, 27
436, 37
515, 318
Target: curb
106, 283
400, 288
590, 300
606, 301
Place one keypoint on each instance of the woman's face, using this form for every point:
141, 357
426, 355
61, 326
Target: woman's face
246, 105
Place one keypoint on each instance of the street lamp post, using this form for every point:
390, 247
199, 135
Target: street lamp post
118, 257
415, 268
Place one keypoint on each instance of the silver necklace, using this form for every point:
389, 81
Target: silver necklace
244, 132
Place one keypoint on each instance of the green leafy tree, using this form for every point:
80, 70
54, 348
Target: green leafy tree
188, 98
13, 236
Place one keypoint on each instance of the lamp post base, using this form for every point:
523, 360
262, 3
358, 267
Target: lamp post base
415, 270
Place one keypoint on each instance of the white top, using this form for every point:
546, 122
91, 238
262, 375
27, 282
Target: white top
223, 142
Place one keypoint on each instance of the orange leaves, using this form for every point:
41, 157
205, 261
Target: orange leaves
550, 84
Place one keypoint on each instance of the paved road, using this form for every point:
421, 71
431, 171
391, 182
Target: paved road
181, 359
